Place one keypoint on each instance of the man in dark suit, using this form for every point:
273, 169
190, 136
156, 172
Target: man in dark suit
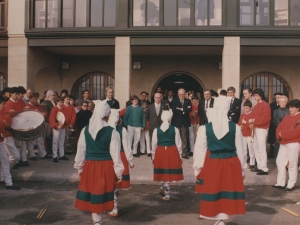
181, 108
272, 129
204, 104
235, 106
153, 113
113, 103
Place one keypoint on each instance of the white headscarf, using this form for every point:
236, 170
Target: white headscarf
101, 110
166, 117
218, 116
113, 117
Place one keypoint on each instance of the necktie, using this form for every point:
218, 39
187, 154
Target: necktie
206, 106
182, 102
231, 103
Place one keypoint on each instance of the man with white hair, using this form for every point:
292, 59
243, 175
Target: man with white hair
99, 164
223, 171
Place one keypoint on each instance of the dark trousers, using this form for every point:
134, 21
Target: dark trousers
184, 134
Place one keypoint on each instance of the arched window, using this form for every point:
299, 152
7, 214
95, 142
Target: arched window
2, 81
95, 82
269, 82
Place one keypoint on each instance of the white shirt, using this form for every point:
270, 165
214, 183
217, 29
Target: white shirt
201, 146
170, 98
114, 149
157, 108
155, 142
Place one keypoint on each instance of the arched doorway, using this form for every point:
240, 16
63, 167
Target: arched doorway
270, 83
176, 80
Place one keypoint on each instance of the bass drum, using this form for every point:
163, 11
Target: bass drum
27, 125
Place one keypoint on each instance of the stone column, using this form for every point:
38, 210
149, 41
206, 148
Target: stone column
231, 64
17, 45
122, 69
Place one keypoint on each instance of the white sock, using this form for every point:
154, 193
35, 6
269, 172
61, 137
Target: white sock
116, 195
167, 189
97, 218
161, 185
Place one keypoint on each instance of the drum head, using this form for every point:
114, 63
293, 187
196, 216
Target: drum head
27, 120
60, 118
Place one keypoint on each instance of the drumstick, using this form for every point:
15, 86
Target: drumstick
290, 212
43, 213
40, 213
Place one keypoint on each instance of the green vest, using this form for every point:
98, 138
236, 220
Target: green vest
98, 149
223, 148
120, 129
166, 138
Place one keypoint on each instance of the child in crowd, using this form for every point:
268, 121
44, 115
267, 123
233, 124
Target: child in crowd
145, 137
195, 123
247, 132
134, 119
69, 112
59, 131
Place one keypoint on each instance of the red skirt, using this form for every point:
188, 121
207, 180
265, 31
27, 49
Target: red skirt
96, 187
223, 188
167, 164
200, 177
125, 176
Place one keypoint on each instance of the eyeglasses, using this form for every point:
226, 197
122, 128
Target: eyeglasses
84, 105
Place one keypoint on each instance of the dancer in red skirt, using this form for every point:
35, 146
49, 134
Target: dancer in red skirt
166, 154
222, 172
99, 164
126, 156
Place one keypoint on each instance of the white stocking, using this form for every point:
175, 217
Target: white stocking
161, 186
97, 218
116, 195
167, 189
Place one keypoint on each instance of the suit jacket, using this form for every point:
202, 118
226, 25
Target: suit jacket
154, 120
181, 118
235, 110
114, 104
201, 110
272, 128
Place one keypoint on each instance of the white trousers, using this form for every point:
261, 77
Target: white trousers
30, 145
145, 141
260, 148
134, 134
12, 151
247, 142
4, 166
192, 134
288, 153
58, 142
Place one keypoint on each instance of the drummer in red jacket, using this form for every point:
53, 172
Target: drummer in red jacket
59, 131
5, 121
34, 106
12, 109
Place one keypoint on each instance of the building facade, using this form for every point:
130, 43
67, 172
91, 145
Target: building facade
137, 45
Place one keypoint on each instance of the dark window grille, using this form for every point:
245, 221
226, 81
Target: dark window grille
270, 83
95, 82
2, 81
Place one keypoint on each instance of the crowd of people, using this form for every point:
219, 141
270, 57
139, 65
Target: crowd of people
216, 131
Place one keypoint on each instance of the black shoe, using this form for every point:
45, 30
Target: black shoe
68, 153
185, 157
16, 166
55, 160
64, 158
289, 189
47, 157
252, 167
260, 172
149, 155
279, 187
23, 164
13, 187
136, 155
33, 158
142, 153
255, 169
191, 154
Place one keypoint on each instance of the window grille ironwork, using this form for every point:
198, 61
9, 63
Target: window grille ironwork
95, 82
270, 83
3, 81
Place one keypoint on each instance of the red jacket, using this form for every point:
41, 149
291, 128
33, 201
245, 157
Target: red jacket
262, 115
36, 108
70, 115
3, 131
52, 118
288, 133
21, 104
10, 104
194, 120
246, 129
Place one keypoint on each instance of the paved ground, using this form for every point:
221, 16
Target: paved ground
140, 205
